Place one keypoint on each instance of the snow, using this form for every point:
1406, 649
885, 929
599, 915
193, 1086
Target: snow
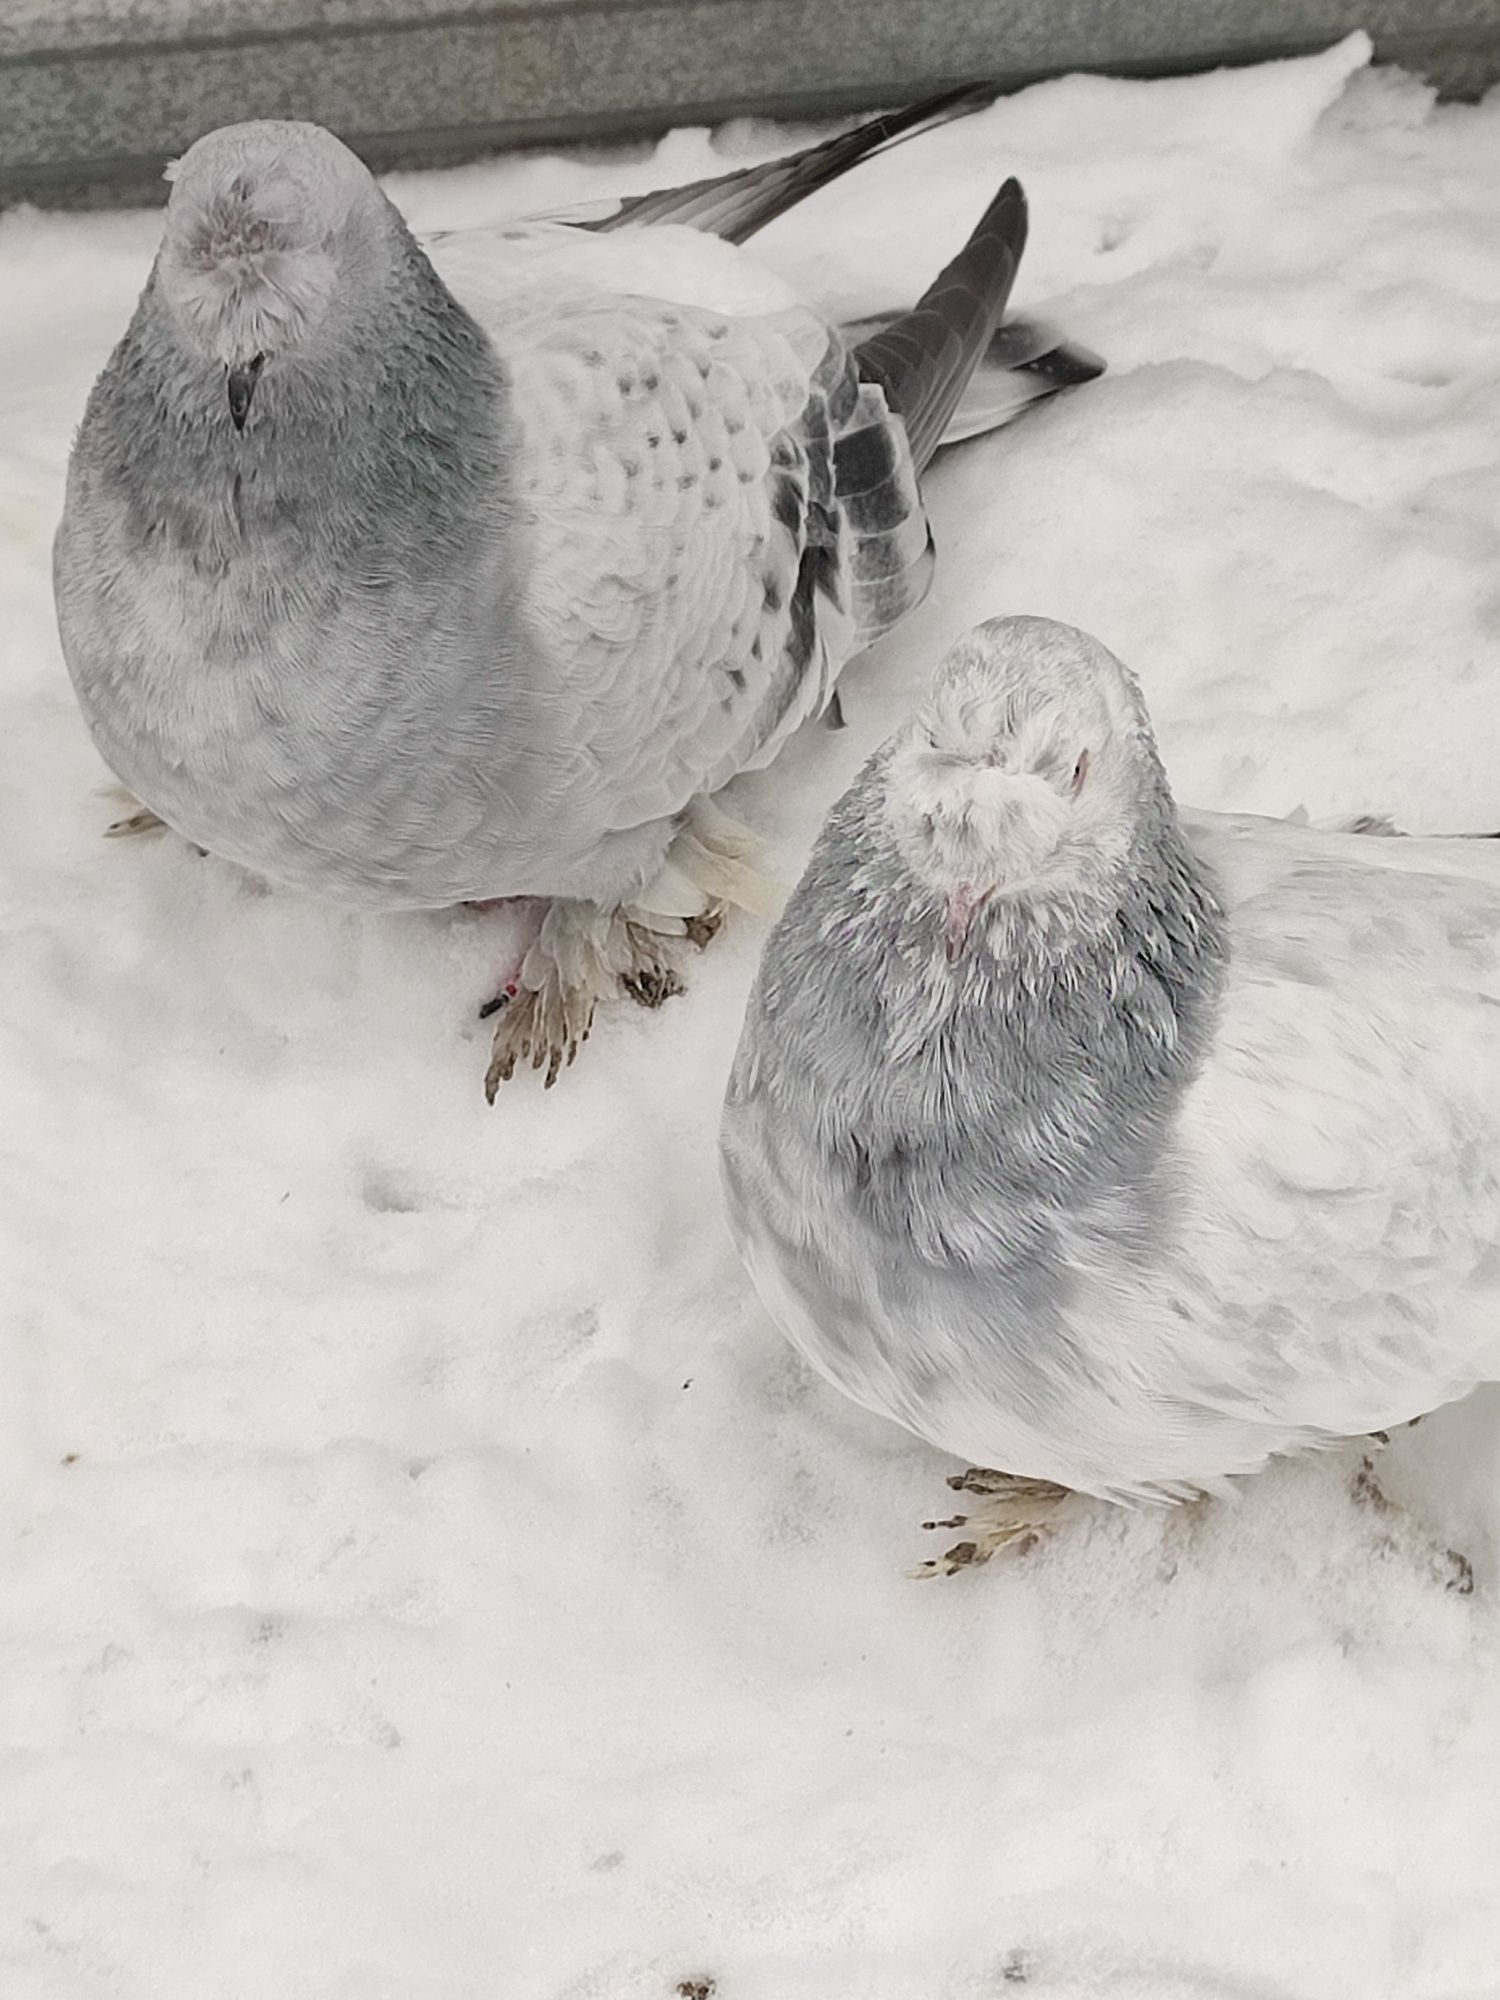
427, 1575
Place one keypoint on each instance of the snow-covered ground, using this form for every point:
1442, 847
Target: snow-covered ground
426, 1574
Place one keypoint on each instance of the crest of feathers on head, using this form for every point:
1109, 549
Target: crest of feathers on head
250, 257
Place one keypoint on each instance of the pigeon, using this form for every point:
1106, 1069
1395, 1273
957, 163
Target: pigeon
468, 572
1114, 1149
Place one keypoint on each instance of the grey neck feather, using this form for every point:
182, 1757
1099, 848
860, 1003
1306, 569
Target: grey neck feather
967, 1108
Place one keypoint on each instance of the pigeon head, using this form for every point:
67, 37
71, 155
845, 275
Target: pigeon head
1028, 776
266, 225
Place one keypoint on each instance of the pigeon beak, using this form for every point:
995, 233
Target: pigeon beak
964, 906
242, 381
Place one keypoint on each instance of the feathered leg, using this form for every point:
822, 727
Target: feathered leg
582, 954
585, 953
1013, 1514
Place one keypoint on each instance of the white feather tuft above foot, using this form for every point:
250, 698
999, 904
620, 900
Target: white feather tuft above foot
709, 866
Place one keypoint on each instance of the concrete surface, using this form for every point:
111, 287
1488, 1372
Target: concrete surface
96, 94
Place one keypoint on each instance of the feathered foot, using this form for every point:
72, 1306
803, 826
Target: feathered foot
1015, 1514
583, 954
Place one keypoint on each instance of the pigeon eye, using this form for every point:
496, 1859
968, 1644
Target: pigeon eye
1080, 772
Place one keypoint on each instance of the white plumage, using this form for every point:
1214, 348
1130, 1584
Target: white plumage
505, 552
1187, 1155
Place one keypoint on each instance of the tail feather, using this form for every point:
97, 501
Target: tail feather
1027, 360
1037, 345
735, 205
924, 360
1000, 390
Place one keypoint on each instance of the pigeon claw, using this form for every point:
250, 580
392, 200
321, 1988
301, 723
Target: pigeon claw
583, 954
1401, 1535
144, 821
548, 1026
702, 931
653, 985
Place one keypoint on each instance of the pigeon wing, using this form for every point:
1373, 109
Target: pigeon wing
716, 512
1338, 1149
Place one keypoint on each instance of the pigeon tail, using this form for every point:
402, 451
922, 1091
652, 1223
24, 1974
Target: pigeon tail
1027, 360
925, 360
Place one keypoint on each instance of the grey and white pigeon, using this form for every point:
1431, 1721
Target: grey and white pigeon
1116, 1149
419, 575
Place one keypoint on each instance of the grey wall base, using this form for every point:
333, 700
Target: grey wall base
96, 94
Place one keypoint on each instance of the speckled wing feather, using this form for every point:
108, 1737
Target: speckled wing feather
720, 507
718, 513
1340, 1140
